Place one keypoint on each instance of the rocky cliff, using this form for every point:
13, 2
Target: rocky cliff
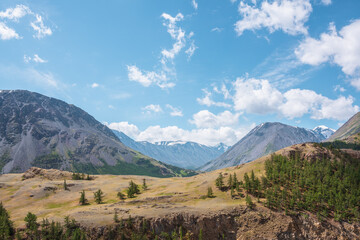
40, 131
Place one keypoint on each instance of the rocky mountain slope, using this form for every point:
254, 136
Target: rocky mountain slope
36, 130
188, 155
260, 141
351, 127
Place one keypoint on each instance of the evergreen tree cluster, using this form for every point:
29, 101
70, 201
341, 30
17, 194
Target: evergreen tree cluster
78, 176
330, 188
6, 225
132, 189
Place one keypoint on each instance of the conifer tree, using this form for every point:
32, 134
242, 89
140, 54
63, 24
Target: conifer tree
230, 181
98, 196
121, 196
249, 202
83, 200
210, 193
65, 185
219, 182
144, 186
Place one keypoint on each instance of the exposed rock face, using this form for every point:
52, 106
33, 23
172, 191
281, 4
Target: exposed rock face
188, 155
262, 140
351, 127
36, 130
243, 223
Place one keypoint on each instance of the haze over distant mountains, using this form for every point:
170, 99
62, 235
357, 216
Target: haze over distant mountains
188, 155
36, 130
264, 139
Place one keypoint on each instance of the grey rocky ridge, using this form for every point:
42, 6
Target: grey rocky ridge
40, 131
188, 155
264, 139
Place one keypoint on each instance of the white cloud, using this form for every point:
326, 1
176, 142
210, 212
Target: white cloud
341, 48
111, 107
152, 108
206, 119
162, 77
216, 29
356, 83
7, 33
260, 97
129, 129
175, 112
206, 136
40, 28
256, 96
326, 2
194, 4
339, 88
207, 101
95, 85
148, 78
286, 15
15, 13
36, 59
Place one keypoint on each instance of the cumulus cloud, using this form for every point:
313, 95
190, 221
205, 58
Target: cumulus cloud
256, 96
36, 59
175, 112
129, 129
7, 33
260, 97
289, 16
206, 119
207, 101
152, 108
341, 48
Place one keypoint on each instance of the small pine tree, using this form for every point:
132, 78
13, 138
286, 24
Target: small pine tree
235, 181
219, 182
6, 225
144, 186
230, 181
83, 200
121, 196
132, 189
31, 224
65, 185
249, 202
210, 193
88, 177
98, 195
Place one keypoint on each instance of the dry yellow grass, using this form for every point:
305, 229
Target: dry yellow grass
164, 196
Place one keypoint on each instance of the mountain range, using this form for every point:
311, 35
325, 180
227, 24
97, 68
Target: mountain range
40, 131
349, 129
264, 139
189, 155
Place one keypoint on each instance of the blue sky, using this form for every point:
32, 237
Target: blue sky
204, 71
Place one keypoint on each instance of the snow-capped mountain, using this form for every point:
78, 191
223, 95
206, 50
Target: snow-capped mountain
183, 154
323, 132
